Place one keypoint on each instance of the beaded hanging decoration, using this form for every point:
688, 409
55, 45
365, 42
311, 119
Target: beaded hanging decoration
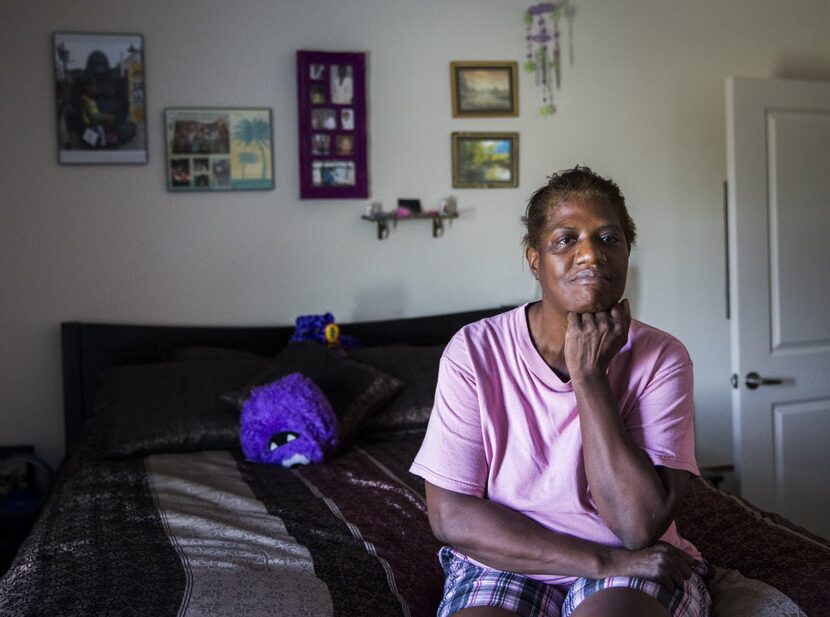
543, 56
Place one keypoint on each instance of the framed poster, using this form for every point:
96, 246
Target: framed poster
219, 149
485, 160
484, 89
331, 91
100, 97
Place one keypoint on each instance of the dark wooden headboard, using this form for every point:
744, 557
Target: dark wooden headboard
90, 348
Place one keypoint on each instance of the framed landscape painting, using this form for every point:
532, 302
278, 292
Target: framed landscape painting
484, 89
99, 98
485, 160
219, 149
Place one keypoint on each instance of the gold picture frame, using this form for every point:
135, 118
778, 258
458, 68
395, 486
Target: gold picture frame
484, 89
485, 160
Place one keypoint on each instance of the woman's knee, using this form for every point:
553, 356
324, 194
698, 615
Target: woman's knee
484, 611
620, 602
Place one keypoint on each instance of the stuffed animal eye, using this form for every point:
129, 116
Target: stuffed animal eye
280, 439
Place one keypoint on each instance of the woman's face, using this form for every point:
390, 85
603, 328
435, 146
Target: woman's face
582, 261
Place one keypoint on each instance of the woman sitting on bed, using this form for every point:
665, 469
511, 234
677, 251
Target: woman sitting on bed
561, 441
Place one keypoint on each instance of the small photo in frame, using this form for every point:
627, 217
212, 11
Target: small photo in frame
333, 173
484, 89
201, 172
320, 144
317, 71
485, 160
219, 149
222, 172
345, 145
342, 84
100, 98
179, 173
347, 119
318, 95
323, 119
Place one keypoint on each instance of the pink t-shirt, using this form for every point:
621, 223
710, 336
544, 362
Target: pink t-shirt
505, 427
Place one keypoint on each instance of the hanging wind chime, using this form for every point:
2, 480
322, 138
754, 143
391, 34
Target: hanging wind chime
543, 51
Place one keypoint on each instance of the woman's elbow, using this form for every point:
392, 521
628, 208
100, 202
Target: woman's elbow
439, 526
443, 513
642, 534
633, 541
444, 523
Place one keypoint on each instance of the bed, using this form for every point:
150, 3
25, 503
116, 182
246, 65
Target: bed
155, 510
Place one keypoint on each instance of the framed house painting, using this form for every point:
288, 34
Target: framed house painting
484, 89
331, 91
100, 97
219, 149
485, 160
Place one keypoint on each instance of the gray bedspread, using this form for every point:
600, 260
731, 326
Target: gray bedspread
208, 533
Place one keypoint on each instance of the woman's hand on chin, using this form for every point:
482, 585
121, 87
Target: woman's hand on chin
592, 339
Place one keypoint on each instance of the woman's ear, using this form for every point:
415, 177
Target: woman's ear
532, 256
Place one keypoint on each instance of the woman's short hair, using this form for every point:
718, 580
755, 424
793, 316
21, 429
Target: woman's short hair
577, 183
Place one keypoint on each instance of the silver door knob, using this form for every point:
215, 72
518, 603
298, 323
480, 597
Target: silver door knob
753, 380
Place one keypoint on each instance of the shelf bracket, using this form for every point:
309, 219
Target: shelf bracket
383, 229
437, 227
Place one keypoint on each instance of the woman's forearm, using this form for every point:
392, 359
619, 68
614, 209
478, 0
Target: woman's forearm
507, 540
629, 493
510, 541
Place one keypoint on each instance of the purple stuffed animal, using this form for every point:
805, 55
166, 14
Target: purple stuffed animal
288, 422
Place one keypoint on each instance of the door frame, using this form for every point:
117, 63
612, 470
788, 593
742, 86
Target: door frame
749, 202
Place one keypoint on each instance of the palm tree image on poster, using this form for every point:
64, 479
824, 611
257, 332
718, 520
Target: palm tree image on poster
219, 149
485, 160
245, 159
253, 133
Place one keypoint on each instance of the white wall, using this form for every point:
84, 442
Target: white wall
642, 102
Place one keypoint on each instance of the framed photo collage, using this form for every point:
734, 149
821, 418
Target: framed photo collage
332, 125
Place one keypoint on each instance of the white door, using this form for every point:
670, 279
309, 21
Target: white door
778, 158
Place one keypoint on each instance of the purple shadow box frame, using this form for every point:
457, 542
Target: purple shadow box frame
316, 99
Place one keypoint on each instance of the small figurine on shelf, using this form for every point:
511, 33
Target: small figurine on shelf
408, 208
373, 210
448, 205
322, 329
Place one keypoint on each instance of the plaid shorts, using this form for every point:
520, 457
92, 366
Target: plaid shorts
467, 584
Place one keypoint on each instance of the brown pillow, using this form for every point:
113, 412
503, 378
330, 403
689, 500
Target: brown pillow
169, 406
210, 354
417, 367
355, 391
